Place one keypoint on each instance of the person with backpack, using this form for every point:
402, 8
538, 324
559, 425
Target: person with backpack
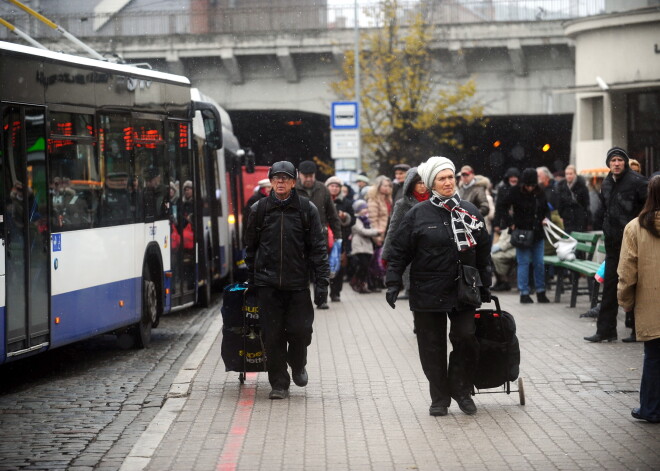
284, 239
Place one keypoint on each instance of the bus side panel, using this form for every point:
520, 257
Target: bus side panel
81, 314
93, 272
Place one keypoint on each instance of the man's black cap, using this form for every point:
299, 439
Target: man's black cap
307, 167
284, 167
404, 167
512, 172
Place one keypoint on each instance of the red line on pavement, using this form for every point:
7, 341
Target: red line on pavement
228, 460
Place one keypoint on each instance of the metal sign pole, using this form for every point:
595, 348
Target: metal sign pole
356, 66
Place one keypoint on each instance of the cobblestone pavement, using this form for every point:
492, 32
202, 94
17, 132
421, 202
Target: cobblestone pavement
366, 404
84, 406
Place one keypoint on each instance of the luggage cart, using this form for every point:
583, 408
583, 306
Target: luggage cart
499, 352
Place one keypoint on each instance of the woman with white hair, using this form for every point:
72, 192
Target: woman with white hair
434, 238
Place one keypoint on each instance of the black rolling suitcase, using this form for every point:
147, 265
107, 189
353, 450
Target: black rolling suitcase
499, 351
242, 347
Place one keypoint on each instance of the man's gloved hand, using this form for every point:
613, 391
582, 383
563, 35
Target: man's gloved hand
485, 295
391, 295
320, 295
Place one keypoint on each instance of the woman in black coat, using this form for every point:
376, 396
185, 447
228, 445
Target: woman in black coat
530, 209
574, 201
434, 236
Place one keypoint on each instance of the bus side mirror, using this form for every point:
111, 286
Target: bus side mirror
250, 161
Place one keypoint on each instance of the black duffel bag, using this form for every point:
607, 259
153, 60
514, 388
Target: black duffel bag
499, 351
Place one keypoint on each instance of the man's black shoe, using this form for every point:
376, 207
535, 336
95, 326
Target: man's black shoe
601, 338
467, 405
632, 338
501, 286
278, 394
635, 413
542, 298
526, 299
335, 298
300, 378
438, 411
323, 306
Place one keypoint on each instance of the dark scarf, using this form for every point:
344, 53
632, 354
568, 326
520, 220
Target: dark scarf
365, 221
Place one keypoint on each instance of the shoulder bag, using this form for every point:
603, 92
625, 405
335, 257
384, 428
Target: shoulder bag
522, 238
563, 243
469, 283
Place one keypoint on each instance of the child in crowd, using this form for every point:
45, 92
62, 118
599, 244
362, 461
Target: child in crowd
362, 246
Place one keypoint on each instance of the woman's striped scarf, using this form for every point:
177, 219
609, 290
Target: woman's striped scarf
462, 222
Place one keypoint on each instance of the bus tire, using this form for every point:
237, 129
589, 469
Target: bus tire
149, 316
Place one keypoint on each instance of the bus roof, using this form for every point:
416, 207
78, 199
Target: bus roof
97, 64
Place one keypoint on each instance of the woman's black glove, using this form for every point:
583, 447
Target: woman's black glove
485, 295
391, 295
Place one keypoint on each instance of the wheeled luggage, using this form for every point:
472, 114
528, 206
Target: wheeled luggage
242, 347
499, 351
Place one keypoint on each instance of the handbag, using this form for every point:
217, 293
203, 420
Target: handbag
469, 284
334, 259
522, 238
564, 244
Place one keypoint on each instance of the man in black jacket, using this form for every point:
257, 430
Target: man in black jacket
283, 240
622, 196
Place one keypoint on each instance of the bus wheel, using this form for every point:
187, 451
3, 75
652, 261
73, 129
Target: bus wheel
149, 315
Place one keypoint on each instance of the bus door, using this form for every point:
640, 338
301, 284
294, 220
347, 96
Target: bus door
181, 212
26, 231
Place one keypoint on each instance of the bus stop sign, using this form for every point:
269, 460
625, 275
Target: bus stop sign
344, 115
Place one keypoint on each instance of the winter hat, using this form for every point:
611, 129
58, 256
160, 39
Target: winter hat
187, 184
333, 179
307, 167
404, 167
429, 169
265, 183
359, 205
512, 172
529, 177
616, 151
362, 178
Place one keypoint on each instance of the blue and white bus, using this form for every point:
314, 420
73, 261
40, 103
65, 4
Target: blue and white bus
113, 208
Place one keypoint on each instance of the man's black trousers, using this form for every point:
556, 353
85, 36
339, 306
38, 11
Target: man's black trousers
286, 320
609, 307
455, 381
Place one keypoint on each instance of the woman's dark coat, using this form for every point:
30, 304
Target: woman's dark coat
574, 205
425, 240
529, 209
401, 208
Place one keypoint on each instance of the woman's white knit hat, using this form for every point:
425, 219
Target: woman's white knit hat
429, 169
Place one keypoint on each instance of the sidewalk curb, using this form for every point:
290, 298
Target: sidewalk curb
175, 401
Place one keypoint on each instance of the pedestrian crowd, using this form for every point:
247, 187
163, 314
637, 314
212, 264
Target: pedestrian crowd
419, 234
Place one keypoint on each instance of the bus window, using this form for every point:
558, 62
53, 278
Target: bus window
121, 196
150, 164
74, 184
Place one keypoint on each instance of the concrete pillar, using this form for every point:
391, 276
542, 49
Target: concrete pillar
517, 57
285, 60
338, 55
174, 63
459, 64
230, 62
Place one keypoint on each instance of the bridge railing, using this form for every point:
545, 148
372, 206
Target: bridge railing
293, 18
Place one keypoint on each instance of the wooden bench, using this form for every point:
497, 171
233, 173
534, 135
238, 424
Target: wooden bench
583, 266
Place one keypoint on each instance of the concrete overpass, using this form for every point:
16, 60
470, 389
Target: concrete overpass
516, 65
